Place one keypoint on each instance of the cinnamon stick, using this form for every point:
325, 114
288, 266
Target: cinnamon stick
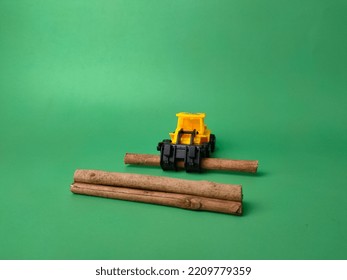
249, 166
169, 199
160, 183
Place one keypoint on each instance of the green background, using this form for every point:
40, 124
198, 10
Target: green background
84, 82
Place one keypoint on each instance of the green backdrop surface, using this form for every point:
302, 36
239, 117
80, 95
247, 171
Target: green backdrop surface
84, 82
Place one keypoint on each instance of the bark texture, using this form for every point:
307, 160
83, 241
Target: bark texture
169, 199
161, 184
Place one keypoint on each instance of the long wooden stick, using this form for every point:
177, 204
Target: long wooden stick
160, 183
162, 198
249, 166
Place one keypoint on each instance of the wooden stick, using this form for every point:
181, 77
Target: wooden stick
162, 198
159, 183
249, 166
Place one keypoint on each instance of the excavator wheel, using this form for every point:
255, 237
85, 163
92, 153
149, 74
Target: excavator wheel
213, 142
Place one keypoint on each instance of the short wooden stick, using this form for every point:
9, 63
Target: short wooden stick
249, 166
160, 183
162, 198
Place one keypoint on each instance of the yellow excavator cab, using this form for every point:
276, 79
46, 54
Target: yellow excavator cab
191, 129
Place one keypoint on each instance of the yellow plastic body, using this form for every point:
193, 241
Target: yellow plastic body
189, 122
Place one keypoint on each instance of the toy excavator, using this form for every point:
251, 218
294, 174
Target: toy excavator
190, 142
